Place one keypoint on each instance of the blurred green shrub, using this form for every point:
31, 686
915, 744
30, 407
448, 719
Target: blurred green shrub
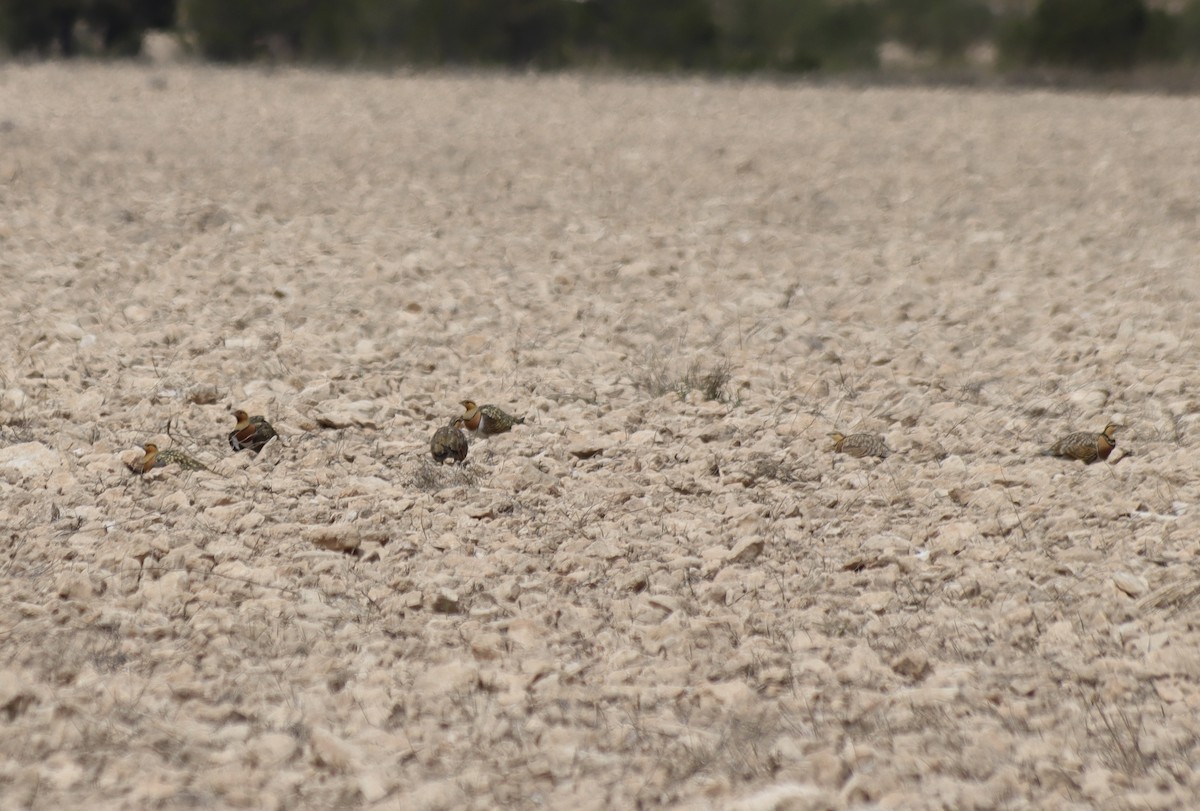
509, 32
945, 28
236, 30
662, 35
1162, 40
1189, 32
666, 34
1093, 34
51, 26
738, 35
798, 35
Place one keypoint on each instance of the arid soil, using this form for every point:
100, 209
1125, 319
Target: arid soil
663, 590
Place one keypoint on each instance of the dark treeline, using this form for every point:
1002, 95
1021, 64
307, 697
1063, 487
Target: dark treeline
716, 35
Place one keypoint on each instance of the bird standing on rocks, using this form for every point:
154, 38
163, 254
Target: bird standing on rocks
487, 420
1085, 446
449, 443
155, 458
860, 445
250, 433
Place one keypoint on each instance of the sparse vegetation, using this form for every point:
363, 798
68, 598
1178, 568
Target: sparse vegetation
430, 477
780, 36
1093, 34
659, 375
108, 26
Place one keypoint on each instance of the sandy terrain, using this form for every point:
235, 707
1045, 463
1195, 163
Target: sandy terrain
662, 591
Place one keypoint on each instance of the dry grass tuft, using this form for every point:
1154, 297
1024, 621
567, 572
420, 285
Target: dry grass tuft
430, 477
659, 376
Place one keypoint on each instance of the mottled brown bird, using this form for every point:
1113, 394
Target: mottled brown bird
449, 443
155, 458
250, 433
860, 445
1085, 446
487, 420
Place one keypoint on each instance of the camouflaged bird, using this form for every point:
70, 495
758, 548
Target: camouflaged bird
860, 445
155, 458
1085, 446
250, 433
449, 443
487, 420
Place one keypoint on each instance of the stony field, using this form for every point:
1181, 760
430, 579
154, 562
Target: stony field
663, 590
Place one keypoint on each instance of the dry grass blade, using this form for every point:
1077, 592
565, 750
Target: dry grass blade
1177, 596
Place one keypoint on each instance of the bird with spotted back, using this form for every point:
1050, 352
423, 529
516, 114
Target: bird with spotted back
1085, 446
487, 420
860, 445
448, 443
250, 433
153, 458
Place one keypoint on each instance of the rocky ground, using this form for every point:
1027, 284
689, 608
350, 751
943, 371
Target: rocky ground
663, 590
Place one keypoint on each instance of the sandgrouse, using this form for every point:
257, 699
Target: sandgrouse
155, 458
487, 420
860, 445
449, 443
1085, 446
250, 433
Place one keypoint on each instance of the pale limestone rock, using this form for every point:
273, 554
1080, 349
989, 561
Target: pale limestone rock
1131, 584
955, 537
272, 749
29, 459
452, 677
788, 797
332, 752
335, 537
746, 550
